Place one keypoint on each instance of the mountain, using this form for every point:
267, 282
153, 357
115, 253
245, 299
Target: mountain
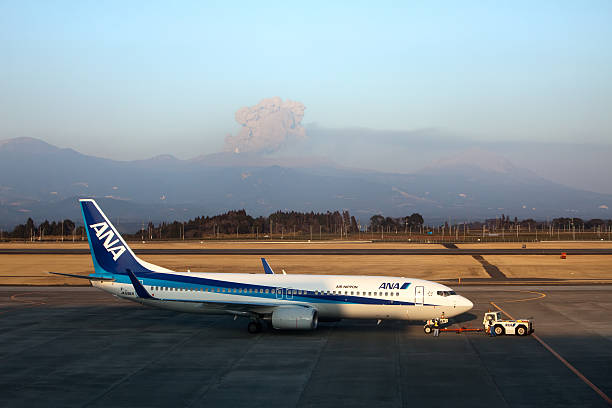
44, 181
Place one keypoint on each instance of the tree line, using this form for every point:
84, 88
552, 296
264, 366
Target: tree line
31, 231
238, 222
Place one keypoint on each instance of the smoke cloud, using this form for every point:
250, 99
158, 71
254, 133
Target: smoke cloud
267, 126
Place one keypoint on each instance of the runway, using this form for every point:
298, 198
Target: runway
79, 347
293, 251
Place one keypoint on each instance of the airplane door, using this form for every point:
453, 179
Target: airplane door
279, 293
418, 295
289, 293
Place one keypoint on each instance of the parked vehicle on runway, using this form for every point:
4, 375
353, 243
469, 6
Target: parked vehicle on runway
286, 301
520, 327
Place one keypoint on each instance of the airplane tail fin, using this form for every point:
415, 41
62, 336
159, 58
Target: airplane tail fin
110, 253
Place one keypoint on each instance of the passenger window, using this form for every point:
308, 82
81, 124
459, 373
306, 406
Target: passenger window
357, 293
397, 294
386, 293
346, 292
351, 292
391, 293
369, 293
260, 290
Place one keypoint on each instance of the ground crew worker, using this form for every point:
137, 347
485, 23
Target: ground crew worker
491, 330
436, 327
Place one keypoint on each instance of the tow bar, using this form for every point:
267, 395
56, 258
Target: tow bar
462, 329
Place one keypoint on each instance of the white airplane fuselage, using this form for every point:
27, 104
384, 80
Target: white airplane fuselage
333, 296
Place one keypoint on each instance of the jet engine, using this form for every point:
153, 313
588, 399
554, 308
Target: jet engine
295, 318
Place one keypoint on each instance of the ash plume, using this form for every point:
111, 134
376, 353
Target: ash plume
267, 126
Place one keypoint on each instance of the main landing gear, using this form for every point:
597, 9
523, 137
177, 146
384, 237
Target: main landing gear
254, 326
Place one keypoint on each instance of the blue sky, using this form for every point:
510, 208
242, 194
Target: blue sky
135, 79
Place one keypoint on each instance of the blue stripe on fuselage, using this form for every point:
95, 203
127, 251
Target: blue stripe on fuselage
193, 282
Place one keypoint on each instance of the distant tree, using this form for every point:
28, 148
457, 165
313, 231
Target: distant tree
594, 223
354, 226
377, 221
30, 229
415, 220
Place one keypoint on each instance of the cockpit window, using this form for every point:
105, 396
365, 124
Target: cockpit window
446, 293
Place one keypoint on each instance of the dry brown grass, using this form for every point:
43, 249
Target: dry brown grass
552, 266
541, 245
230, 245
316, 245
31, 269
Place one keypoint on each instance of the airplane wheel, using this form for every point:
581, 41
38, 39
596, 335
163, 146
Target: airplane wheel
254, 327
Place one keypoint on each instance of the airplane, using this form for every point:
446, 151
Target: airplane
286, 302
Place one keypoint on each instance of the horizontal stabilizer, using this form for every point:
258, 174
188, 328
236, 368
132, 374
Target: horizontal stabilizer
90, 277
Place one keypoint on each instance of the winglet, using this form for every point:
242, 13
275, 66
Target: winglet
266, 267
140, 290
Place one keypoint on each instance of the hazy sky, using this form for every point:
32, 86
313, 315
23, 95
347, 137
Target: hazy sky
132, 79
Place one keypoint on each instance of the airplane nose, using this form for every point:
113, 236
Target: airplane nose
466, 304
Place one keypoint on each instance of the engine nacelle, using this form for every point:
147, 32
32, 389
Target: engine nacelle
295, 318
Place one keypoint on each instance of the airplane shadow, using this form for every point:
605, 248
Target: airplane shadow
464, 318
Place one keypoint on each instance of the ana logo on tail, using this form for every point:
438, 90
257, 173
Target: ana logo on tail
108, 236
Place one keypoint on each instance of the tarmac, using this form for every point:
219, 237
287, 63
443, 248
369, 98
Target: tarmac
80, 347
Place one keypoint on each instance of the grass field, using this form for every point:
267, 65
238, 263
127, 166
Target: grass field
32, 269
213, 244
231, 244
541, 245
549, 266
